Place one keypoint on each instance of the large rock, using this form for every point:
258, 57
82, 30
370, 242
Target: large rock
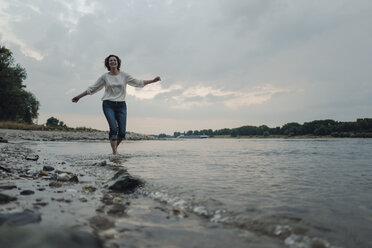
4, 199
15, 237
125, 183
20, 218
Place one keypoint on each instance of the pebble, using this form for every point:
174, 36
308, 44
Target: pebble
32, 157
48, 168
55, 184
66, 177
110, 233
43, 173
117, 200
27, 192
63, 177
42, 204
58, 199
5, 169
7, 187
117, 209
180, 212
101, 223
89, 188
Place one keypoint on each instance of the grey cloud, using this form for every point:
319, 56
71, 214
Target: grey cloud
305, 46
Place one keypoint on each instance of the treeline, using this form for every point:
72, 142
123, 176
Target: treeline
360, 128
16, 104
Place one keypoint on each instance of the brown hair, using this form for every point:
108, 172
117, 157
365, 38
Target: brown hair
107, 61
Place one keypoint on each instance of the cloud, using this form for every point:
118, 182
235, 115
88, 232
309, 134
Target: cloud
220, 58
8, 36
151, 91
207, 95
185, 98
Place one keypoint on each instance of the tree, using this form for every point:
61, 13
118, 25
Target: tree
54, 122
162, 136
291, 129
16, 104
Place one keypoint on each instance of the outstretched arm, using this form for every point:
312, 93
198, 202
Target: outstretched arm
146, 82
77, 98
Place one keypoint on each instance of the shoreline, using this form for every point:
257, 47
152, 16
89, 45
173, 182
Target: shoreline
42, 194
46, 135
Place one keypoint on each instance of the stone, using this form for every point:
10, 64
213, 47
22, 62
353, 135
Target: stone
180, 212
101, 223
117, 200
89, 188
4, 199
63, 177
110, 233
5, 169
48, 168
117, 210
20, 218
42, 204
43, 173
7, 187
74, 179
126, 183
102, 163
26, 176
120, 173
27, 192
2, 140
32, 157
47, 237
55, 184
66, 177
58, 199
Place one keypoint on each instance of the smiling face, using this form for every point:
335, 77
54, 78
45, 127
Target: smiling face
112, 62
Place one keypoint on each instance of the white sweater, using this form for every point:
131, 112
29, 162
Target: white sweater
115, 86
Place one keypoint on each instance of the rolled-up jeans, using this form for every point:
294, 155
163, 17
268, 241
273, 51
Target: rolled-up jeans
116, 115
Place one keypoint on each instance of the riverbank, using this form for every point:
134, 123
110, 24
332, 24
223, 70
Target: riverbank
69, 200
46, 135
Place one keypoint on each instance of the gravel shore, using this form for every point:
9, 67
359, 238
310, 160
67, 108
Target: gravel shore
75, 201
14, 135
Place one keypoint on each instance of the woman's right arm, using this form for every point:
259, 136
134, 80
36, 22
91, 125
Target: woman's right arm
77, 98
100, 83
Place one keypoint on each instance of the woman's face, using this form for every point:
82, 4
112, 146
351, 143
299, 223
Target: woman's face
113, 62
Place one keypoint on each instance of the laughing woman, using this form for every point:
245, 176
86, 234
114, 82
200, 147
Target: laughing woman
114, 106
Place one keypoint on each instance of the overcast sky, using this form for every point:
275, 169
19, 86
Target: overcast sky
223, 63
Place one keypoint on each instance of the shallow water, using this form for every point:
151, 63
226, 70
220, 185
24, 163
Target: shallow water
304, 191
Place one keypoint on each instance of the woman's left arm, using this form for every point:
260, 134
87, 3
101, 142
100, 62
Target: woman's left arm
156, 79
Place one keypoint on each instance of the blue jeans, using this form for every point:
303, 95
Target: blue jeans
116, 115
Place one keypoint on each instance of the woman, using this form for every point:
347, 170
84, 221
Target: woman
114, 106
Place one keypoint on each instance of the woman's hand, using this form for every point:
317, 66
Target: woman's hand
156, 79
77, 98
